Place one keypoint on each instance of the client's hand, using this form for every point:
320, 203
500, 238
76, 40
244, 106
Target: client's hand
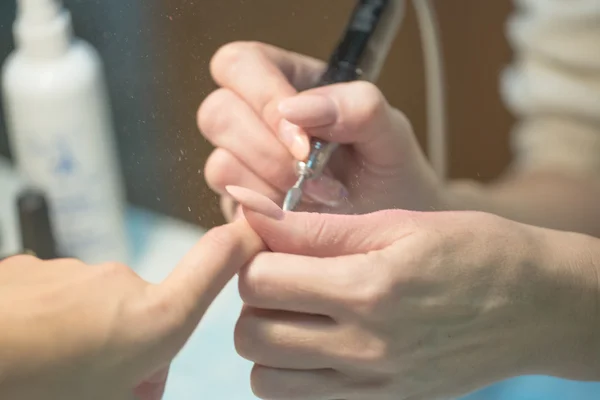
71, 331
406, 305
260, 125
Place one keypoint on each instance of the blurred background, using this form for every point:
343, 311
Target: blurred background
156, 56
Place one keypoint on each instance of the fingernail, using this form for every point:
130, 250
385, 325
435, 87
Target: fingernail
309, 110
327, 191
256, 202
294, 139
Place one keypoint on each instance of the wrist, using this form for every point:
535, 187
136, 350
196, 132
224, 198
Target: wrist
568, 294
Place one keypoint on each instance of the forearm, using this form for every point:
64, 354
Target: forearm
553, 89
566, 314
550, 200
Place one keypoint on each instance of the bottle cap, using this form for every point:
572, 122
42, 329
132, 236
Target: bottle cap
43, 28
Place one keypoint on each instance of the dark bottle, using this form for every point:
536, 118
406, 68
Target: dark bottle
37, 235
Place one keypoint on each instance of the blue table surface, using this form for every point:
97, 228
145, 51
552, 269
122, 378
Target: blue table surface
208, 367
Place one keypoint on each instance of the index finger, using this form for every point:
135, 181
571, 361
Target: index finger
263, 75
208, 267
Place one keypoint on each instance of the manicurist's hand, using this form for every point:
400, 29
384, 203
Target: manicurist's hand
261, 125
71, 331
407, 305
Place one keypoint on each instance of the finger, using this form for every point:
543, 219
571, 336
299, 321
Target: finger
352, 113
263, 75
286, 340
321, 235
224, 169
233, 211
228, 122
207, 268
321, 286
271, 383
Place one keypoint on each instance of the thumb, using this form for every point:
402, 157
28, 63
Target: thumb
350, 113
209, 266
320, 235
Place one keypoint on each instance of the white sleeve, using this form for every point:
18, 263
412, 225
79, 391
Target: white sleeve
553, 87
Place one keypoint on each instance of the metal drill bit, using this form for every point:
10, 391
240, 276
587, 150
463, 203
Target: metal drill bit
294, 195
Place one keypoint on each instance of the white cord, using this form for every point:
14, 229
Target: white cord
436, 89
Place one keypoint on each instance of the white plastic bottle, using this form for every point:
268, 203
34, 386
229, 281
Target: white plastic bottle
60, 131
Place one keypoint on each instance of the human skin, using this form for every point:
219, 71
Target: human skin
71, 331
262, 115
412, 306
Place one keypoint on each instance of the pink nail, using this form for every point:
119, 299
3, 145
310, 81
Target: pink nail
294, 139
256, 202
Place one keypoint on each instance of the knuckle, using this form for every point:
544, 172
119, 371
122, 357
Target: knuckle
265, 384
233, 239
371, 290
368, 301
229, 56
213, 115
114, 269
402, 119
372, 99
375, 354
222, 237
247, 338
220, 170
401, 122
251, 282
369, 92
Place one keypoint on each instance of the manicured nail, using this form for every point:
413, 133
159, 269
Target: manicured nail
294, 139
256, 202
309, 110
327, 191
